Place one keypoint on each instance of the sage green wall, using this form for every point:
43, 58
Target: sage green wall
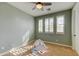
53, 37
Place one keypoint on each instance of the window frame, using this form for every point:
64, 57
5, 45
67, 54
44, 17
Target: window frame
63, 25
42, 26
49, 25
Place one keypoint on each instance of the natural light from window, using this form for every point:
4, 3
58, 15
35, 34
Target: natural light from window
40, 25
49, 24
60, 24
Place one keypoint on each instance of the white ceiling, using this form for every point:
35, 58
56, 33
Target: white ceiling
55, 7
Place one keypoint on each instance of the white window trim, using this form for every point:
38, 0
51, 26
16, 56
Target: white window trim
42, 26
63, 24
49, 26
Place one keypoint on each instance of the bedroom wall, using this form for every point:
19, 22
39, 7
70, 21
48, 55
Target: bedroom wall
53, 37
16, 27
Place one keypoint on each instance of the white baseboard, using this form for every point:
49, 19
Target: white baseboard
54, 43
58, 44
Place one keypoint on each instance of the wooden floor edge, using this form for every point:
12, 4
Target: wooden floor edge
62, 45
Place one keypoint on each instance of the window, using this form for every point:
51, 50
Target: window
46, 25
49, 25
40, 25
60, 24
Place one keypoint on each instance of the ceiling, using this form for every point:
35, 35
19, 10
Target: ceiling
55, 7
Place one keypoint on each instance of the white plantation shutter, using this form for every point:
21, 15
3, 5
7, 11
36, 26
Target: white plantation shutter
60, 24
49, 24
40, 25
